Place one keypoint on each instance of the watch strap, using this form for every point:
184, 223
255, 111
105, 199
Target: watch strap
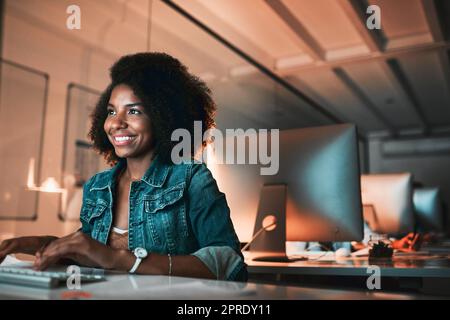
136, 265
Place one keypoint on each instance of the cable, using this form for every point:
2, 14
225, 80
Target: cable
328, 250
257, 234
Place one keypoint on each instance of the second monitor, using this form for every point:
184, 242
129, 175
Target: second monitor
388, 203
428, 209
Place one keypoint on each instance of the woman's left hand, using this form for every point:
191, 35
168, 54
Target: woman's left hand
78, 247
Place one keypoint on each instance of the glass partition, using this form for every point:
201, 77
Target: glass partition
23, 93
80, 161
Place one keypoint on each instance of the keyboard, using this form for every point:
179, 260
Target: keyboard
46, 279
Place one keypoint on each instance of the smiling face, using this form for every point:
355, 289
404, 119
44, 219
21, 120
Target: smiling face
127, 125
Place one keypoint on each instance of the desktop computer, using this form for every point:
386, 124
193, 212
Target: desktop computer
388, 203
428, 209
315, 196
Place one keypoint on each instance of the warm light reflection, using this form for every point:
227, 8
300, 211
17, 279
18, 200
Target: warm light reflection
49, 185
30, 178
211, 161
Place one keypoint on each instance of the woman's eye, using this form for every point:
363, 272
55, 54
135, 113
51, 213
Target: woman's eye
135, 111
110, 112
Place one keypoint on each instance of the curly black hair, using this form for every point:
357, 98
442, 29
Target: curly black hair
172, 97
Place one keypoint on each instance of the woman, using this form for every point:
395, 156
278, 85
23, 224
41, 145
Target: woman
147, 214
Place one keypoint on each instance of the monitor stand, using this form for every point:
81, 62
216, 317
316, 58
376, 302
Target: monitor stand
272, 244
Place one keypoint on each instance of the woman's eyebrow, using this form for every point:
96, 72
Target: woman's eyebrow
134, 104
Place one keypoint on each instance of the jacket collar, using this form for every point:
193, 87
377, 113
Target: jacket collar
155, 175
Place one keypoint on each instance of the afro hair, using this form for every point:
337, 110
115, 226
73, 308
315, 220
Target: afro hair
171, 96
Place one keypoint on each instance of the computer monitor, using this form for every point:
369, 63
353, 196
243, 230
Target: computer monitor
315, 195
387, 202
428, 209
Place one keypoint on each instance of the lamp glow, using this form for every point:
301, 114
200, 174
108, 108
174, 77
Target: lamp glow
50, 185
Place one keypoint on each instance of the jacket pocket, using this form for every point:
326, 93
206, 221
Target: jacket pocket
156, 202
91, 214
166, 216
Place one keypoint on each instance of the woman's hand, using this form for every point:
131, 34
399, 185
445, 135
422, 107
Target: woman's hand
80, 248
27, 245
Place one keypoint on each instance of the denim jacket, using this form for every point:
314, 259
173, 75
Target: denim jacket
176, 209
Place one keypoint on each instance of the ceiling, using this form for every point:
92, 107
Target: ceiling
390, 82
393, 81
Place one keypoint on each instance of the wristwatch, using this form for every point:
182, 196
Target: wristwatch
140, 254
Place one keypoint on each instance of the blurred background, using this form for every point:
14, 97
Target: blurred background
269, 63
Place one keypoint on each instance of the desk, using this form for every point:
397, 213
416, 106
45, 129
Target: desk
124, 286
429, 272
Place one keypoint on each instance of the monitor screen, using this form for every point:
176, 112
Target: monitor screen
390, 196
428, 209
319, 168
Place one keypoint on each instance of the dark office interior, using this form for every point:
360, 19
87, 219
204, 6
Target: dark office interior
359, 91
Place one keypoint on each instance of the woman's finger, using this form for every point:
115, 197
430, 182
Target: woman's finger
49, 257
4, 244
44, 262
68, 247
6, 248
51, 253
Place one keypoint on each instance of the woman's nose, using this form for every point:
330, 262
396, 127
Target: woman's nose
118, 121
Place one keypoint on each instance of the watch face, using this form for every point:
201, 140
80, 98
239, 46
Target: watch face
140, 252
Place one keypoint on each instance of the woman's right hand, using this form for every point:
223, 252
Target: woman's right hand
27, 245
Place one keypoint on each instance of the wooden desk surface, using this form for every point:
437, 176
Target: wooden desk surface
126, 286
420, 264
123, 286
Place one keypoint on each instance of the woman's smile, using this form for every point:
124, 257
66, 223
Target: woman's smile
123, 140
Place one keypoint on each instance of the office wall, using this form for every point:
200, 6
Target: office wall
29, 41
427, 159
35, 35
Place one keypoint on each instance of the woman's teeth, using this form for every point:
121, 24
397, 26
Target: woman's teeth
120, 139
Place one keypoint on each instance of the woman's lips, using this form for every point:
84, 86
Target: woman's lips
123, 140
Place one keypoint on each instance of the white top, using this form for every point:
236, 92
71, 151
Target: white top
119, 231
